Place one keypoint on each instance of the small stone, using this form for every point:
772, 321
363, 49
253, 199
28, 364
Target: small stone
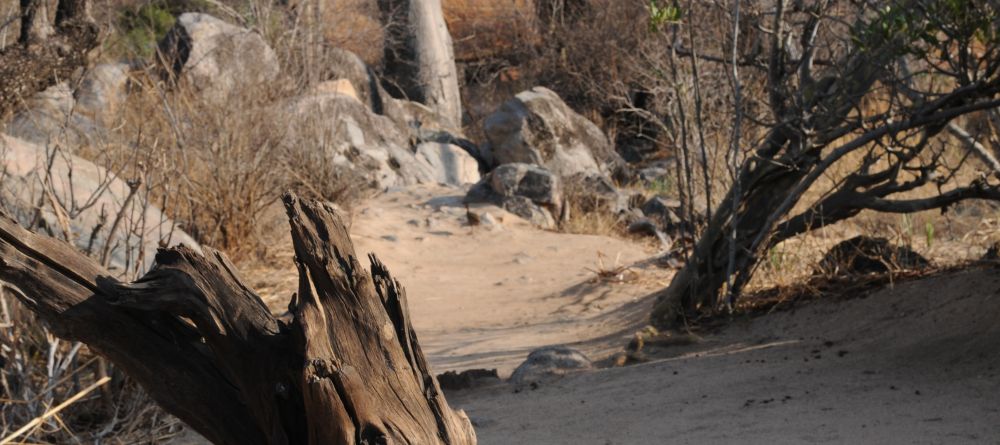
550, 362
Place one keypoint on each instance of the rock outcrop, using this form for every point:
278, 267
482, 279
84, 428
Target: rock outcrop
537, 127
217, 59
102, 92
49, 117
345, 133
89, 201
450, 163
345, 65
526, 190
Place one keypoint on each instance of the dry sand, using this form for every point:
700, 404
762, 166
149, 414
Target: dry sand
484, 297
918, 362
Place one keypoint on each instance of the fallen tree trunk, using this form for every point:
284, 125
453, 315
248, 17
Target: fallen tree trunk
347, 369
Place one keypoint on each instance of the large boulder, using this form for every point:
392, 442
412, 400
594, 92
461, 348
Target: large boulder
102, 92
217, 59
665, 211
346, 134
59, 115
345, 65
537, 127
451, 164
49, 117
417, 121
91, 199
526, 190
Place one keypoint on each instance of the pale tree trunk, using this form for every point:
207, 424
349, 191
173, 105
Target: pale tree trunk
420, 58
346, 369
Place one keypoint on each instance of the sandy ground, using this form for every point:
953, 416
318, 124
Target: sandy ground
485, 297
918, 362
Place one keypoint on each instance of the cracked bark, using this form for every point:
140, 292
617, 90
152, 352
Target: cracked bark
347, 369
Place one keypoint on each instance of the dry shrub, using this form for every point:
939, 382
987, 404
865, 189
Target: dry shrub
353, 25
586, 51
222, 166
216, 170
485, 30
38, 372
583, 221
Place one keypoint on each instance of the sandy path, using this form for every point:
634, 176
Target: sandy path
485, 298
917, 363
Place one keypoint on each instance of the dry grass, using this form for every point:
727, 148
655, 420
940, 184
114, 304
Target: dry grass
823, 287
217, 171
40, 372
587, 222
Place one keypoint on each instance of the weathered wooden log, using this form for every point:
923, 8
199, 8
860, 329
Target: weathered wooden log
347, 369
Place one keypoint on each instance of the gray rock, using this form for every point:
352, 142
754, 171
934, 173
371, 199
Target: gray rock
72, 119
652, 174
338, 130
530, 211
344, 64
218, 59
539, 185
548, 363
646, 227
595, 193
486, 219
102, 92
137, 238
528, 191
451, 164
664, 211
537, 127
643, 226
49, 117
335, 129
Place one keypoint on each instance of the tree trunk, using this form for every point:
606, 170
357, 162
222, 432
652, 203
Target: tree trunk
420, 58
347, 369
45, 55
766, 182
824, 124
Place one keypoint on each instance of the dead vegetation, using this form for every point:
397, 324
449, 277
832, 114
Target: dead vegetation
40, 373
660, 89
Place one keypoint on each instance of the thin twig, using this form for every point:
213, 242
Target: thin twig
51, 412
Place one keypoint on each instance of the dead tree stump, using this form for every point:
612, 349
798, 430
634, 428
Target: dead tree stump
347, 369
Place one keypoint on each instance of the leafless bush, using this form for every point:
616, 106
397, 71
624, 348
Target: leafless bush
39, 372
61, 392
